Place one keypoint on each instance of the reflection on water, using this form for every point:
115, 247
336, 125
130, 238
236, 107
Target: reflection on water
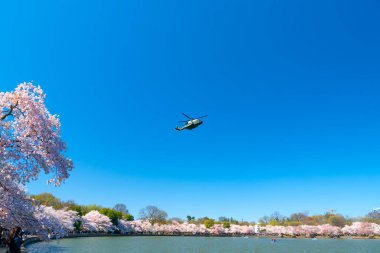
161, 244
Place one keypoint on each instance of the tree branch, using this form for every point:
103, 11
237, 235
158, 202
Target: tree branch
10, 112
4, 187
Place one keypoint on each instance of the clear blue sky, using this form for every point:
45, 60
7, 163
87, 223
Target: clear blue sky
291, 89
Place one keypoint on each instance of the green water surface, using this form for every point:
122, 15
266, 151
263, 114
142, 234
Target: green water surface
163, 244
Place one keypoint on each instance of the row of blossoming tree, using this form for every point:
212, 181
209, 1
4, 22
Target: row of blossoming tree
68, 217
63, 222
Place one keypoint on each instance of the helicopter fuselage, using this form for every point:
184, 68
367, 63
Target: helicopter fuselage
191, 124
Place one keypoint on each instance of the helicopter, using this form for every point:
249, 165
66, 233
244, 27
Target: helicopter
191, 123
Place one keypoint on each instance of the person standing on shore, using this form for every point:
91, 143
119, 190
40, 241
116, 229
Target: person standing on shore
14, 240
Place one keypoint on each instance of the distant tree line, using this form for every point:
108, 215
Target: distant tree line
329, 217
155, 215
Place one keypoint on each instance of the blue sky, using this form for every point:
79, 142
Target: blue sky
291, 89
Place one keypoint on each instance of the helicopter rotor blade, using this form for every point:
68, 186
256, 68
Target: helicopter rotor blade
187, 116
183, 121
202, 116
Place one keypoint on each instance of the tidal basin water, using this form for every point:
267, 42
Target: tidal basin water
180, 244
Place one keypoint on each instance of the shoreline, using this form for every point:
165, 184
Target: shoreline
37, 239
221, 235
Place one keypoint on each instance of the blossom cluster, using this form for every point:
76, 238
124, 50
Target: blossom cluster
96, 222
16, 208
30, 138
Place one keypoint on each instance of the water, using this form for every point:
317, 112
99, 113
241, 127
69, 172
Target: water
161, 244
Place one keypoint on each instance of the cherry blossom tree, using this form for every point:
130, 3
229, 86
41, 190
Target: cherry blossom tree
48, 221
125, 227
96, 222
30, 142
360, 228
59, 222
